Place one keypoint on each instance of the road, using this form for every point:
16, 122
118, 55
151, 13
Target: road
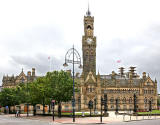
7, 120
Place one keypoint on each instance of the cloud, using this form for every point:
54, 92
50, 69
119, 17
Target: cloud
39, 61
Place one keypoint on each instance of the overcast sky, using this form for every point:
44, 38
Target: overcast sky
33, 30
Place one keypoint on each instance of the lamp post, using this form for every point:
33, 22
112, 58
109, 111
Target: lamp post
28, 79
150, 105
75, 60
102, 103
116, 106
105, 103
135, 103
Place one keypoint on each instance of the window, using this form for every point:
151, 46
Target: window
38, 107
124, 100
130, 100
145, 100
112, 106
79, 103
112, 100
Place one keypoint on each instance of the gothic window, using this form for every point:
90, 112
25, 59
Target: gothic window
151, 99
118, 91
90, 89
79, 103
145, 100
152, 91
112, 106
118, 99
124, 107
129, 90
22, 80
130, 100
124, 100
85, 100
112, 100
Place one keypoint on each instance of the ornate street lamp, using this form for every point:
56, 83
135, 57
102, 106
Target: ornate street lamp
102, 103
150, 105
135, 103
105, 103
28, 79
116, 105
75, 60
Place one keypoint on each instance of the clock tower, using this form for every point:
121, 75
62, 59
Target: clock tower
89, 45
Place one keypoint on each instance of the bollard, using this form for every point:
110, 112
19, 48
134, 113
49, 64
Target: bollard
123, 117
136, 117
143, 117
130, 117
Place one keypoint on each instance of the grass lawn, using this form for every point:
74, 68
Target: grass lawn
153, 112
76, 113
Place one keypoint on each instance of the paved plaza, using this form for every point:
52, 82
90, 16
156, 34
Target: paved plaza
111, 120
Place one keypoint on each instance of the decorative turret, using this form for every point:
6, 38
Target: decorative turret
132, 72
121, 70
155, 80
144, 75
33, 72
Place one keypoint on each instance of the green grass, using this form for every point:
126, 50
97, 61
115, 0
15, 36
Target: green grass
70, 113
153, 112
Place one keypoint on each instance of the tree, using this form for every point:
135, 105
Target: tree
61, 87
8, 97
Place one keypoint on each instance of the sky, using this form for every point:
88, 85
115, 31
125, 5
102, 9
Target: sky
33, 30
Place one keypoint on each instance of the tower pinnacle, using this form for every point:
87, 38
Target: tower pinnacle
88, 13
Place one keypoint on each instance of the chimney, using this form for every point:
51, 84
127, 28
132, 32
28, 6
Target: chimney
121, 70
132, 73
113, 75
144, 75
33, 72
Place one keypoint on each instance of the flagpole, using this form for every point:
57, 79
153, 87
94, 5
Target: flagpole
49, 58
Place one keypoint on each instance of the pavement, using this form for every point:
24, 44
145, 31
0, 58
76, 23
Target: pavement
47, 120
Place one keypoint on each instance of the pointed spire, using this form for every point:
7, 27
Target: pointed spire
88, 13
155, 80
98, 73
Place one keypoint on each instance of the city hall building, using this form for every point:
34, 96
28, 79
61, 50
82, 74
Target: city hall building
117, 86
121, 86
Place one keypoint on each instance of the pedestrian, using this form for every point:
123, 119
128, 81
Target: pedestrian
17, 112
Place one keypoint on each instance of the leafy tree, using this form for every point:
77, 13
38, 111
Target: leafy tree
61, 87
8, 97
42, 92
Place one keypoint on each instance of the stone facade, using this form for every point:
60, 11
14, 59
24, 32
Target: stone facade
92, 86
121, 86
12, 81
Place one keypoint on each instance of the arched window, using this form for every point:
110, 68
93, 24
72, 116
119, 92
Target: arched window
124, 100
130, 100
151, 99
112, 100
145, 100
79, 103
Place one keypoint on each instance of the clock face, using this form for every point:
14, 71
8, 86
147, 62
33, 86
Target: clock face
89, 40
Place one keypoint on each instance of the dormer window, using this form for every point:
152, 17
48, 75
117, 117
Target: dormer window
22, 80
90, 89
